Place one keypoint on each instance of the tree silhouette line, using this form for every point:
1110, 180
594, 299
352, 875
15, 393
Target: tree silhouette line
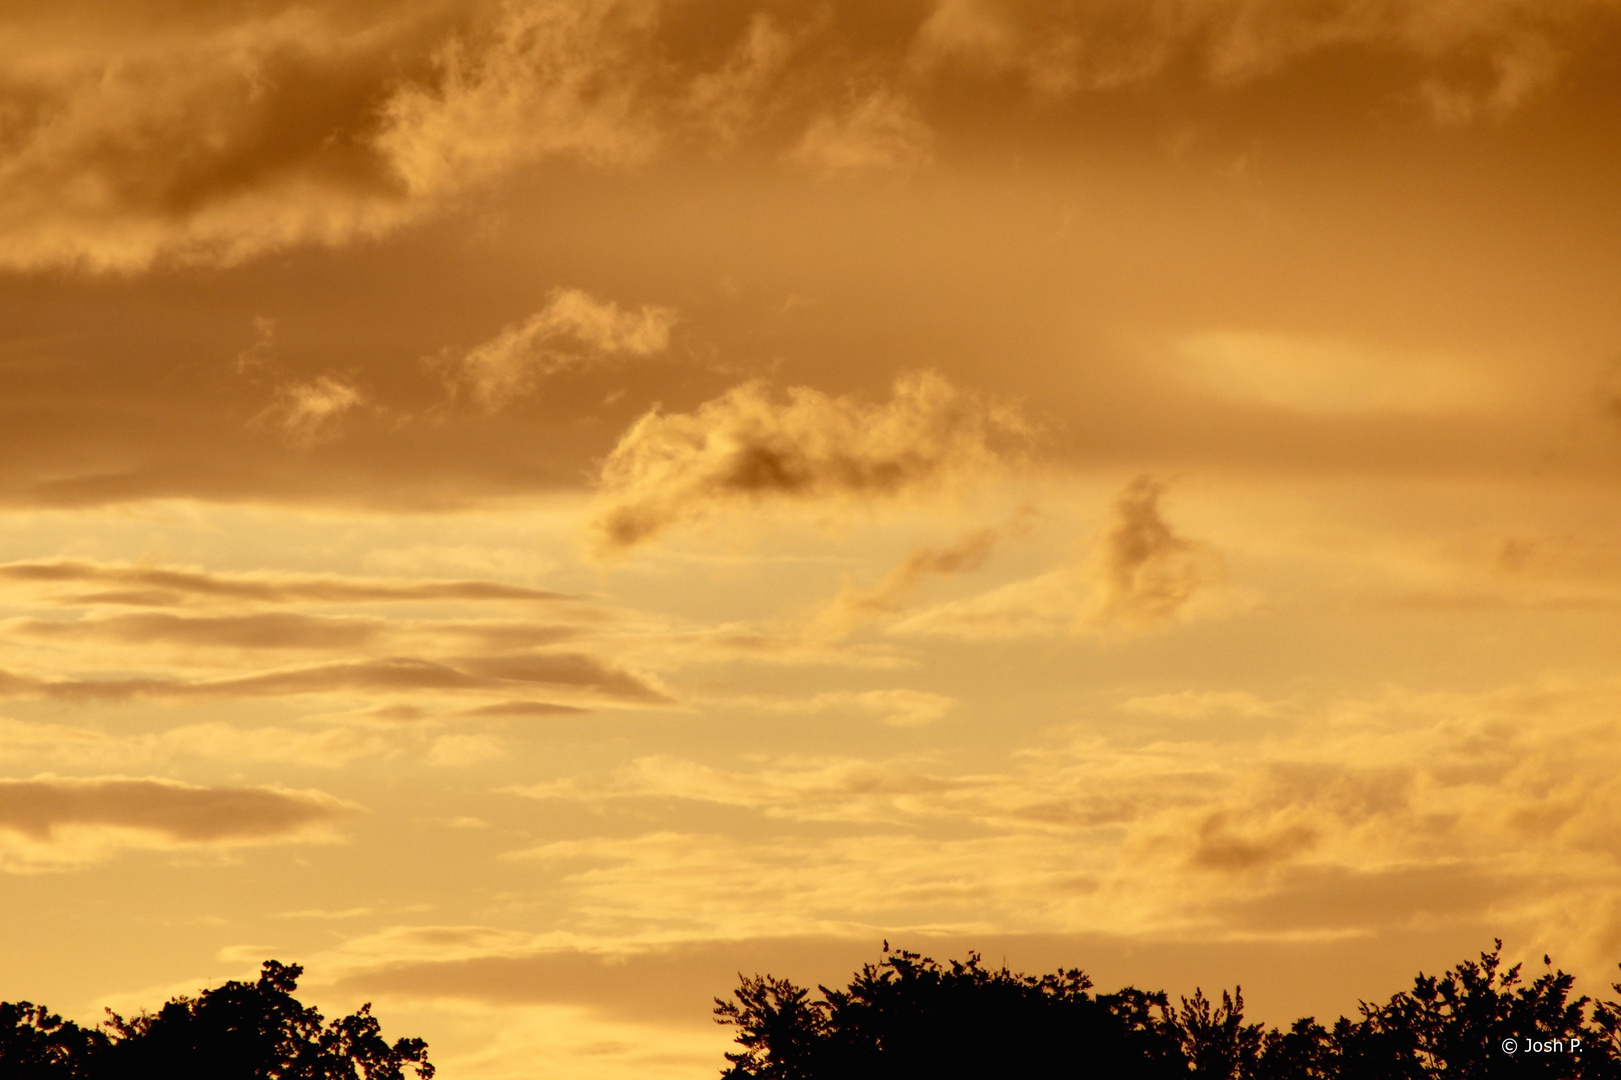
238, 1031
908, 1016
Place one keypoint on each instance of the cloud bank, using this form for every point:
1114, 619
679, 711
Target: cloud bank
216, 140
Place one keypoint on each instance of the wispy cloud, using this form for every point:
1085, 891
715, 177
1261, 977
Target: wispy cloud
501, 674
233, 137
160, 586
855, 605
1144, 572
880, 132
574, 330
747, 447
311, 412
1141, 575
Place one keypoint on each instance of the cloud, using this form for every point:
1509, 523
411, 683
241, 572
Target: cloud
729, 100
855, 605
573, 330
1588, 561
261, 630
540, 80
179, 144
501, 674
1141, 576
310, 412
316, 913
51, 821
709, 885
745, 447
1048, 605
1066, 792
83, 747
1219, 847
224, 139
816, 789
880, 132
292, 631
1197, 705
168, 139
897, 708
674, 982
1324, 377
1573, 571
669, 982
149, 586
1145, 573
1060, 50
1391, 798
524, 708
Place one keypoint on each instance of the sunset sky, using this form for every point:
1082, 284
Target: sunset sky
530, 509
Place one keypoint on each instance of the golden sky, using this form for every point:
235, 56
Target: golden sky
531, 508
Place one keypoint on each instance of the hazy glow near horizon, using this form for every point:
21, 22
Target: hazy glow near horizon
531, 508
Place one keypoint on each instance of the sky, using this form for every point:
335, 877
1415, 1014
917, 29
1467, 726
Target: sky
533, 509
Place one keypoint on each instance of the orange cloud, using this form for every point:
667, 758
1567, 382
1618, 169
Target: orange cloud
1060, 50
881, 132
855, 605
573, 330
147, 586
151, 139
52, 821
1145, 573
1141, 576
745, 447
260, 630
501, 674
310, 412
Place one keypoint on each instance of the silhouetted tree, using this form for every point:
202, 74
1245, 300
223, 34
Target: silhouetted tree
238, 1031
911, 1017
38, 1045
1454, 1026
1214, 1038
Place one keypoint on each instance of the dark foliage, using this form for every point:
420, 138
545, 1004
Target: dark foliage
911, 1017
239, 1031
37, 1045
